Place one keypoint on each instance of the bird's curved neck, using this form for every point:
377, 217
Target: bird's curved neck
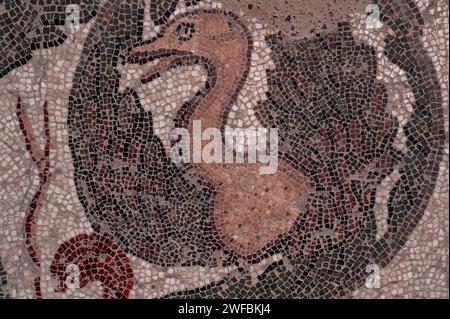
213, 110
226, 77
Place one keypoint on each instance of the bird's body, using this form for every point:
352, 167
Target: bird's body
250, 210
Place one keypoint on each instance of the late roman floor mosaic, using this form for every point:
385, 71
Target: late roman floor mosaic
117, 179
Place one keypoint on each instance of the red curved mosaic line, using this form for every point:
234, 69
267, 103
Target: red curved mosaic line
42, 162
98, 259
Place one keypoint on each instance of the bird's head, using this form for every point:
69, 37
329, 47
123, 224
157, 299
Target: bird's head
212, 36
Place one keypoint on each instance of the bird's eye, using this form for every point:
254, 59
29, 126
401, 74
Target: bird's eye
185, 31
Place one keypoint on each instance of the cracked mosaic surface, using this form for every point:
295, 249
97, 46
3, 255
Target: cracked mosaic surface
92, 204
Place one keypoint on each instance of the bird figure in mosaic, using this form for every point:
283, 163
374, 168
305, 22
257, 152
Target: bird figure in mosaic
334, 149
249, 210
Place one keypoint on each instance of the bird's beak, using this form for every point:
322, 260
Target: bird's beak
158, 49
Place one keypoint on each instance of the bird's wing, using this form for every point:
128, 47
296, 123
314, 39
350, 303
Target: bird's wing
332, 120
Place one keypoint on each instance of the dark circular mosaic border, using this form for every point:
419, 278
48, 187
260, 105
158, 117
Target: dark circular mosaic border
338, 271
